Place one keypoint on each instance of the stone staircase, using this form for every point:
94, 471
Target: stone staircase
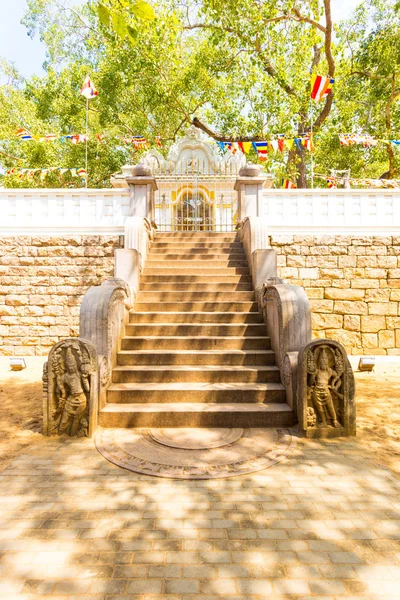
196, 351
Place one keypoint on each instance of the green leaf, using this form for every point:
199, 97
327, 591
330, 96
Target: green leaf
104, 15
132, 34
143, 10
119, 25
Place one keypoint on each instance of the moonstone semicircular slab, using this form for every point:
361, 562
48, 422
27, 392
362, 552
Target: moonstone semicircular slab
195, 438
224, 453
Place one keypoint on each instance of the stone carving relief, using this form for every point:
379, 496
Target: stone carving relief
324, 386
326, 390
70, 388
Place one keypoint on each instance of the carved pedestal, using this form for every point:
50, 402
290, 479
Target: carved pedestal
326, 391
70, 386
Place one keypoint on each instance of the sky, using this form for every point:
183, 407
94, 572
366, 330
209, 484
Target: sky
28, 55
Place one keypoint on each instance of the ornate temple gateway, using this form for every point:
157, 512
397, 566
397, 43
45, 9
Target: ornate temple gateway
195, 186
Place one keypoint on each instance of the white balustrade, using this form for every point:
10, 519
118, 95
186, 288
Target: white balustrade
41, 211
104, 211
339, 211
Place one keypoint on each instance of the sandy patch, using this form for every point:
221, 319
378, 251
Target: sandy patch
378, 411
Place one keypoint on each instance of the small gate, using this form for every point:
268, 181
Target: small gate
196, 203
195, 186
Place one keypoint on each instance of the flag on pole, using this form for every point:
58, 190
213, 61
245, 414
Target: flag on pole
288, 185
88, 90
320, 87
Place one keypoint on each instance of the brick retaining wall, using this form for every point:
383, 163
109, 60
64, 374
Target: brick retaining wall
353, 284
42, 282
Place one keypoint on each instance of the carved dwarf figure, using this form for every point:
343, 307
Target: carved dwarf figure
323, 385
71, 388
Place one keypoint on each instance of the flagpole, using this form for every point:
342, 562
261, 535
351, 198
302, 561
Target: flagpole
311, 144
87, 140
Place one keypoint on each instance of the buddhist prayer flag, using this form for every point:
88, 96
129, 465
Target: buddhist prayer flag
288, 185
320, 87
23, 134
88, 90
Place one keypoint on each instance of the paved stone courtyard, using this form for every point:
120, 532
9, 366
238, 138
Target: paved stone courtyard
324, 523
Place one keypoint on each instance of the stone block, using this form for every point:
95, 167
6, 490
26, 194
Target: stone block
321, 306
349, 339
344, 294
323, 321
372, 324
364, 283
383, 308
308, 273
387, 262
386, 339
364, 240
293, 250
392, 323
376, 250
369, 340
340, 283
348, 261
312, 293
281, 240
378, 295
321, 250
375, 273
365, 261
288, 272
352, 322
332, 273
321, 261
296, 261
350, 308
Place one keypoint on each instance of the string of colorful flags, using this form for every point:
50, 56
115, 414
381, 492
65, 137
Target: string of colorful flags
333, 182
263, 148
30, 173
137, 141
366, 140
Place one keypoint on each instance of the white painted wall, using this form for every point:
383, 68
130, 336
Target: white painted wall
339, 211
104, 211
58, 211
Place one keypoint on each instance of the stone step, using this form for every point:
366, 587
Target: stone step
197, 236
162, 278
196, 329
205, 374
216, 286
191, 317
196, 357
196, 415
197, 306
195, 262
185, 391
189, 270
179, 253
182, 246
195, 343
184, 296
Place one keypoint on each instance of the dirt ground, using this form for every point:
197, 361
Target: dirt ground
378, 411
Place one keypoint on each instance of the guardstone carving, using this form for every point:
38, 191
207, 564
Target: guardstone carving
70, 386
326, 390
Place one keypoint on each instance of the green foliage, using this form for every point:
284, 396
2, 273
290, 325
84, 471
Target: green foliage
241, 67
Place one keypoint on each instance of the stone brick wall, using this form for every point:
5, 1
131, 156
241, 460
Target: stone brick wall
42, 282
353, 284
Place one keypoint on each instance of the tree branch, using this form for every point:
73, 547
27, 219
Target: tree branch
223, 138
